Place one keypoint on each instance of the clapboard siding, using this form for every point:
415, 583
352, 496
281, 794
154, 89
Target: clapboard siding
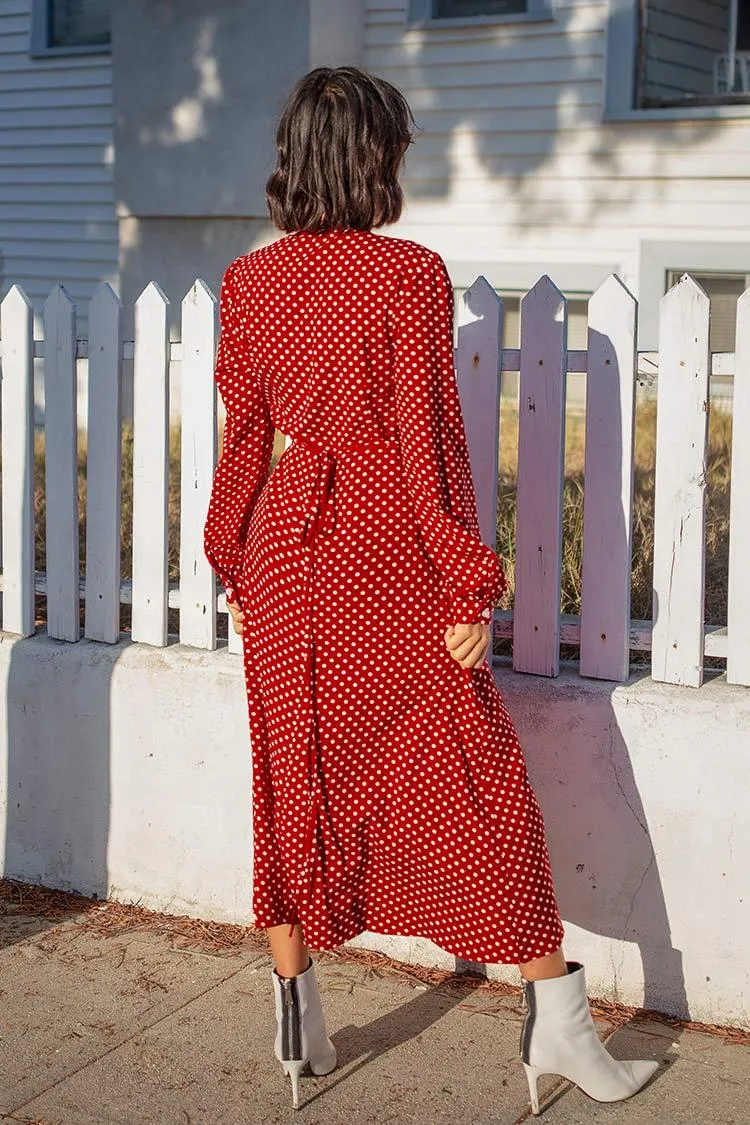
58, 221
15, 124
513, 162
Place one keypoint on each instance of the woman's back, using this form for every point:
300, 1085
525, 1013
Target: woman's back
315, 308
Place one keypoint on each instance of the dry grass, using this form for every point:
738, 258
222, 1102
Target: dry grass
717, 515
717, 533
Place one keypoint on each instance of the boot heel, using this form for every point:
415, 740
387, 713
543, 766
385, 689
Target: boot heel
533, 1074
293, 1067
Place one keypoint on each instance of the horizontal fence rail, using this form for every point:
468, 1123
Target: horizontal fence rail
722, 363
678, 637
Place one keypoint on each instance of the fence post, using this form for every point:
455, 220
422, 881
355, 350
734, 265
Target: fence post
477, 362
151, 468
104, 467
738, 610
678, 638
17, 332
61, 467
541, 447
199, 447
608, 487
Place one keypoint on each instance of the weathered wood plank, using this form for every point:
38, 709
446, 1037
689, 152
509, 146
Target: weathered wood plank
61, 467
541, 445
679, 508
17, 331
151, 468
608, 491
104, 467
477, 362
738, 610
199, 450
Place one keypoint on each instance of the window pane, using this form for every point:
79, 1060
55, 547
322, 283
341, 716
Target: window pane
445, 9
78, 23
692, 50
743, 28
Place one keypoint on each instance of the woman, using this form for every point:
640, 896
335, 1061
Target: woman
390, 792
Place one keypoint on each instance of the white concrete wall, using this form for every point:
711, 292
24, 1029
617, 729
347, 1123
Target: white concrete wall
125, 771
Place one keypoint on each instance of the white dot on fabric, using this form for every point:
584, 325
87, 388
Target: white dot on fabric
389, 788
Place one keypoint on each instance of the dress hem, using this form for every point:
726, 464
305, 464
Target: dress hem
453, 952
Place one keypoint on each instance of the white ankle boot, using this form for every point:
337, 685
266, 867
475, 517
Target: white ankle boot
300, 1033
559, 1037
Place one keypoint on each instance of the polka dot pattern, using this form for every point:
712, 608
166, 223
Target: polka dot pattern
389, 788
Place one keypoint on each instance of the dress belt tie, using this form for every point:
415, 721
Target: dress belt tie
320, 522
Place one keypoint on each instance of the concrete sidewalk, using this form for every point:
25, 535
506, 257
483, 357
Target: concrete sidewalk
104, 1023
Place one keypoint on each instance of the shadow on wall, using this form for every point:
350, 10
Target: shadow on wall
194, 133
58, 770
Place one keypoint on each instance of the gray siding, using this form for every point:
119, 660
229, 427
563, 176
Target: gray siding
57, 206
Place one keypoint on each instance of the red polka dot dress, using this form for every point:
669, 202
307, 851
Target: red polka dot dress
389, 789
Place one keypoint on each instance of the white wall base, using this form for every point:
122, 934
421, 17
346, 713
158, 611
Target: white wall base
125, 772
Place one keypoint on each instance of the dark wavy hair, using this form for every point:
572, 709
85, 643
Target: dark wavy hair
341, 139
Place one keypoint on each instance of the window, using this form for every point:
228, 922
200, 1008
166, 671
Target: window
722, 290
478, 11
70, 27
678, 58
449, 9
693, 51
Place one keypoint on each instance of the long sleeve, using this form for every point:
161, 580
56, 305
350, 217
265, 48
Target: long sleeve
247, 445
432, 436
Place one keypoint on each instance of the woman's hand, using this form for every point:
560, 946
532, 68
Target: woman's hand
468, 644
235, 611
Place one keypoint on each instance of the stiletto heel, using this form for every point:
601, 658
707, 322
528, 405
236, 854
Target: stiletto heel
293, 1067
533, 1073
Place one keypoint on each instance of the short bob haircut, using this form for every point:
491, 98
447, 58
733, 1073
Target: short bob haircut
340, 141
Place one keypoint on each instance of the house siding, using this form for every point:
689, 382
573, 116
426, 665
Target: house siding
57, 204
515, 163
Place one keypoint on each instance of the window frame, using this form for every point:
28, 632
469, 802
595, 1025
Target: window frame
620, 86
657, 258
419, 14
39, 41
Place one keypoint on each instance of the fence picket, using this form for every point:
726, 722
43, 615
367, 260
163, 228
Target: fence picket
151, 468
104, 467
608, 476
541, 445
477, 362
61, 467
17, 333
738, 610
199, 449
679, 508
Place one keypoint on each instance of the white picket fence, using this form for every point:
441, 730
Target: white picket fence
678, 639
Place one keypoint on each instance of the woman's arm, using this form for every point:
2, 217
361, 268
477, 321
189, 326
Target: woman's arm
433, 441
247, 445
